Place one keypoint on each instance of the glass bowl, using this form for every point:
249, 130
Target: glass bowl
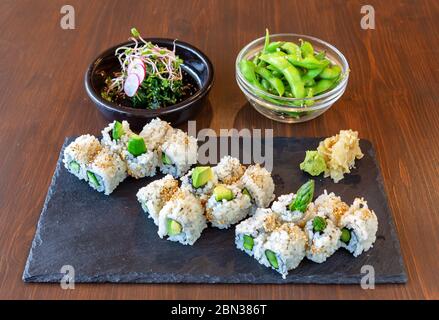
282, 108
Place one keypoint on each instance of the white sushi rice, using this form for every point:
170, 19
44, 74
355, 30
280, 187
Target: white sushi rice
288, 242
229, 170
281, 207
259, 184
322, 245
331, 206
222, 214
181, 149
116, 145
144, 165
363, 224
155, 133
109, 170
258, 227
204, 191
82, 151
187, 210
155, 195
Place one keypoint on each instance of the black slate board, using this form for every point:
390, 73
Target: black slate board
109, 239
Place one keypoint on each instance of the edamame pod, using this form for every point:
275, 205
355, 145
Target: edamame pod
309, 62
292, 48
248, 71
330, 72
306, 49
323, 85
273, 46
276, 83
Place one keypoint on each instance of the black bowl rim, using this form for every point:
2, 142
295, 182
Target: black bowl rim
203, 91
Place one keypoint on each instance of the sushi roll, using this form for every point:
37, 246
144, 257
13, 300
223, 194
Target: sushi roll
115, 136
227, 206
182, 218
80, 153
200, 181
155, 133
106, 171
140, 161
258, 183
358, 228
179, 153
284, 248
229, 170
155, 195
296, 208
251, 233
331, 206
323, 238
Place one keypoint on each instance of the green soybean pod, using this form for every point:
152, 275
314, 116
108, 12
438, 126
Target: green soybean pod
320, 55
311, 74
306, 49
292, 48
273, 46
309, 62
330, 72
247, 69
276, 83
323, 85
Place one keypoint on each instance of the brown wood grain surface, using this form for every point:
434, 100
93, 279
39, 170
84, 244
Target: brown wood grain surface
392, 99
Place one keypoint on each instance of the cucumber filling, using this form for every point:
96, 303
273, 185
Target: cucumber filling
93, 180
271, 257
248, 242
74, 166
166, 160
345, 235
173, 228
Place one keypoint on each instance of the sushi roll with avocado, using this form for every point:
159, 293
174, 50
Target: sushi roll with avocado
296, 207
323, 238
200, 181
229, 170
358, 228
251, 233
140, 161
155, 133
259, 185
182, 218
155, 195
80, 153
331, 206
106, 171
179, 153
115, 136
284, 248
227, 206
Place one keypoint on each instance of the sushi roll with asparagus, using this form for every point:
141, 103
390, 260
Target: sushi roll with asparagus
155, 195
200, 181
258, 184
229, 170
106, 171
284, 248
155, 133
251, 233
323, 238
227, 206
140, 161
79, 154
182, 218
297, 208
331, 206
115, 136
179, 153
358, 228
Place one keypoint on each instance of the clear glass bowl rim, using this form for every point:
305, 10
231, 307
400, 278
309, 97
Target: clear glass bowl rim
343, 82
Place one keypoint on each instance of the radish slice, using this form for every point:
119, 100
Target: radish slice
131, 85
137, 61
137, 70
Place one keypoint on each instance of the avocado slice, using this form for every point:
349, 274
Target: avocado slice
245, 191
74, 166
222, 193
117, 130
248, 242
201, 176
136, 145
165, 159
92, 178
173, 227
271, 257
345, 235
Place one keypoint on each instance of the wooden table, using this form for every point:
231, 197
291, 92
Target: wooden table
391, 99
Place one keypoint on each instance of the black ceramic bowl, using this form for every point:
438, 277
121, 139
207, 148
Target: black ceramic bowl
195, 65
